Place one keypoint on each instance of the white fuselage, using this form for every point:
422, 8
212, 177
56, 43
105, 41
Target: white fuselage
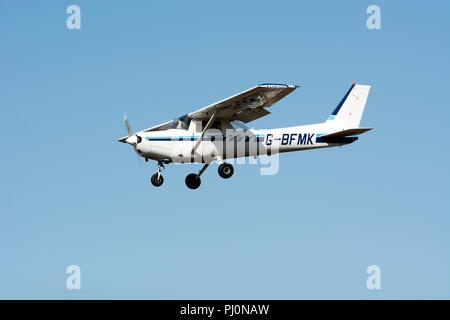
218, 132
177, 145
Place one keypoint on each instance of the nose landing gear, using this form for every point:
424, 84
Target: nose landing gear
157, 179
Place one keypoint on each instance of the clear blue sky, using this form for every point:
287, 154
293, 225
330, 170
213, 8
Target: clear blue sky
72, 194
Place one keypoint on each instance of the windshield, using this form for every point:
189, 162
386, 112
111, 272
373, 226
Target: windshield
180, 123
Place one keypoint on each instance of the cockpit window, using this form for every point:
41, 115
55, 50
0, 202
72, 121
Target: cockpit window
174, 124
214, 125
180, 123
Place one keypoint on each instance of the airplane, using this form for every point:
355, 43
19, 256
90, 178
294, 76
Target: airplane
218, 132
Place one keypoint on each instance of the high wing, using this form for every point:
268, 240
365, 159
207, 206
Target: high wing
245, 106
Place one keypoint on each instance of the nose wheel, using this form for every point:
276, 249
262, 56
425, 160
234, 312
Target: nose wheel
157, 179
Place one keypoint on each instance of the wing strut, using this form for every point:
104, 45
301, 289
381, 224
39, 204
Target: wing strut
208, 125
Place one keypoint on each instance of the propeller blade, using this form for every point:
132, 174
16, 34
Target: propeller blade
127, 124
132, 138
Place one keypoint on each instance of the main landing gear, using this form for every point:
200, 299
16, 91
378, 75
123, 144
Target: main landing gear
226, 170
157, 179
193, 180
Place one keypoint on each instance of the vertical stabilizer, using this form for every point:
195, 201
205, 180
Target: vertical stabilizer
349, 111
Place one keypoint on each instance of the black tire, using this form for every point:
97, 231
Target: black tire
157, 182
193, 181
226, 170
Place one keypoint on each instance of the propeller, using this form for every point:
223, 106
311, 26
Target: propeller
133, 138
127, 124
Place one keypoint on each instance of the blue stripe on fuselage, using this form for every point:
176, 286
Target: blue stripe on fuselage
193, 138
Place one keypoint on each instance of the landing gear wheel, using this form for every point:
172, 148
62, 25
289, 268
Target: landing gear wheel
226, 170
193, 181
157, 182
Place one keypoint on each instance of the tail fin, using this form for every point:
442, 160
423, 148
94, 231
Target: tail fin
349, 111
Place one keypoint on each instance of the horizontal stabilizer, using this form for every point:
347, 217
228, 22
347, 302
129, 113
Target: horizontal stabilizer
346, 133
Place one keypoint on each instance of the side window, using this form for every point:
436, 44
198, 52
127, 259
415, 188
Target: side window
185, 124
215, 124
